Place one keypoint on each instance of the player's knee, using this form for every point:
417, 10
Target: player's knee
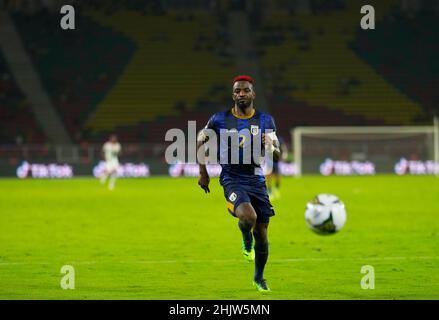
249, 219
259, 237
260, 234
246, 214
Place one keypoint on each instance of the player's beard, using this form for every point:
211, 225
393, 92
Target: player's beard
243, 105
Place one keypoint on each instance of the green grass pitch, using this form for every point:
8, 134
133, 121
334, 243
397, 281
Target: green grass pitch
164, 238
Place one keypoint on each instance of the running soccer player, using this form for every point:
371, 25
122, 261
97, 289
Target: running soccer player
111, 151
243, 183
273, 190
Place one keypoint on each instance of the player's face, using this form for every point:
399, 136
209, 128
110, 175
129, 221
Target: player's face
243, 94
113, 139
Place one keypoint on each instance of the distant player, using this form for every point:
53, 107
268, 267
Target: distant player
244, 184
111, 151
273, 190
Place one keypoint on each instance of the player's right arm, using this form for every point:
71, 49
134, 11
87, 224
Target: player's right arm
204, 179
103, 152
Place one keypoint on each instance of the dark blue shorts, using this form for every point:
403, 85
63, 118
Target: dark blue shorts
236, 194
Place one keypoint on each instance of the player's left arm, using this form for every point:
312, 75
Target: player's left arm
270, 140
271, 143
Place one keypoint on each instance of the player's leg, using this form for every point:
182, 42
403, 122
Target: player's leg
239, 206
247, 219
264, 211
276, 191
261, 255
268, 179
104, 176
113, 176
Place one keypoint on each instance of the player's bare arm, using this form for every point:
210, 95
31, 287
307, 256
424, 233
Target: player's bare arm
271, 144
204, 179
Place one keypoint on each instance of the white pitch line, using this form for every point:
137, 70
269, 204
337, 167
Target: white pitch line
222, 261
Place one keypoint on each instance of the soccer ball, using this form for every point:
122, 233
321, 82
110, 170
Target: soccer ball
325, 214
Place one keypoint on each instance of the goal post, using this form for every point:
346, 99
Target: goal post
373, 147
436, 140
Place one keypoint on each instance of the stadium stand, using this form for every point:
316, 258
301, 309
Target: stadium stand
123, 70
18, 125
308, 58
173, 68
138, 69
76, 79
413, 69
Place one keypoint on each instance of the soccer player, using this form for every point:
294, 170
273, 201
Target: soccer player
243, 183
111, 150
273, 191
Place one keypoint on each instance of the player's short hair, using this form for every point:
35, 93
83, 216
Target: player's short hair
243, 78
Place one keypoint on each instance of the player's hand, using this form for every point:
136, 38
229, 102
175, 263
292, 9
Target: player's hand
266, 140
203, 182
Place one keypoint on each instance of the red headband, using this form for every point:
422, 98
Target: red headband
243, 78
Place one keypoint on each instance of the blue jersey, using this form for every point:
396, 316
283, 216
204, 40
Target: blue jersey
243, 173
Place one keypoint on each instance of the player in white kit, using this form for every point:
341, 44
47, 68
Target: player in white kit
111, 151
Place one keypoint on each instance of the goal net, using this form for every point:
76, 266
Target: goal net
366, 150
